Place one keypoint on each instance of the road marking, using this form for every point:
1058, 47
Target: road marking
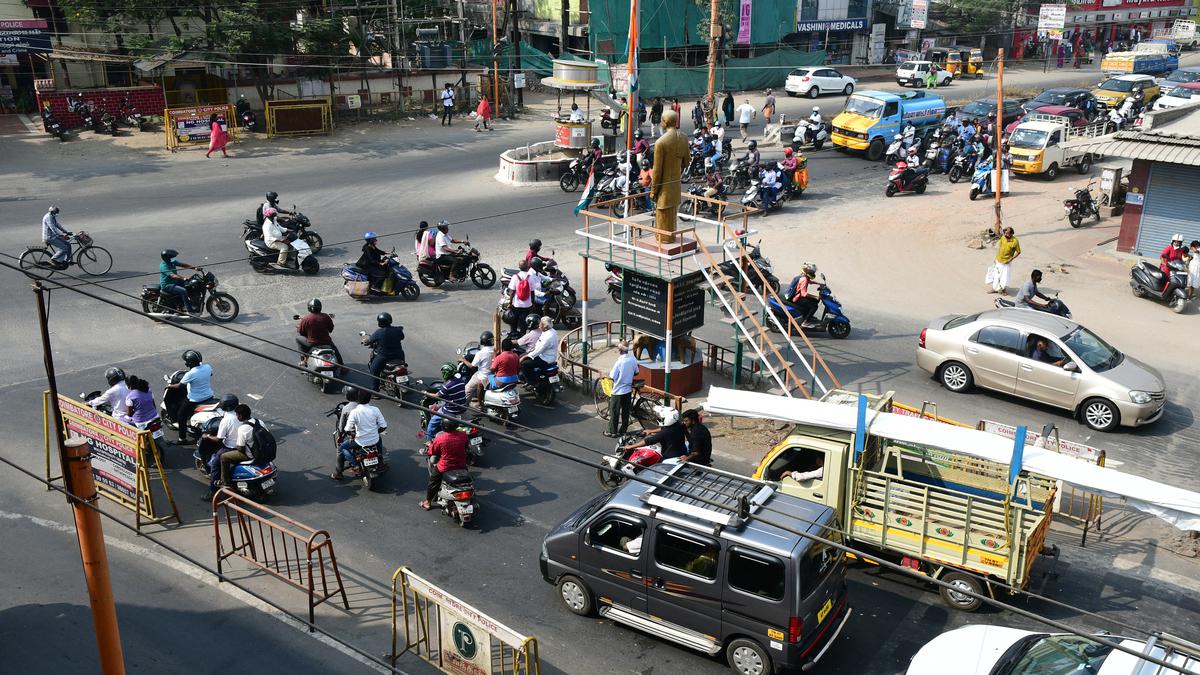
209, 579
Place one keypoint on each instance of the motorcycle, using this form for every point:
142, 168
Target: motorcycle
904, 179
895, 151
246, 117
322, 364
263, 258
1082, 206
553, 302
620, 464
84, 109
962, 165
52, 125
252, 479
456, 496
613, 283
502, 403
545, 385
370, 462
1055, 306
394, 376
202, 289
699, 205
808, 133
575, 175
981, 182
433, 273
932, 155
295, 222
550, 269
204, 413
730, 268
130, 116
832, 319
357, 283
753, 197
154, 426
475, 438
107, 122
1147, 281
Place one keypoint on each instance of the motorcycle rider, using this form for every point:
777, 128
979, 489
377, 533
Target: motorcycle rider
450, 449
646, 180
544, 352
58, 238
640, 145
245, 443
138, 406
669, 435
624, 168
535, 250
752, 157
798, 296
314, 329
504, 365
909, 133
447, 254
787, 167
271, 203
713, 182
373, 261
113, 397
423, 241
521, 290
770, 184
592, 157
212, 446
1174, 252
274, 237
1115, 118
198, 381
364, 425
169, 282
482, 363
452, 396
388, 343
1028, 294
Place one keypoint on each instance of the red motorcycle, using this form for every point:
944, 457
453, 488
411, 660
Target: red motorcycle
907, 179
623, 463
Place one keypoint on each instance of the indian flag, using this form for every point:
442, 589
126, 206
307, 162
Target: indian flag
589, 190
632, 51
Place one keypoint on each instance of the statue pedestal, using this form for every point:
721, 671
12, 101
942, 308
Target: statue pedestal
682, 244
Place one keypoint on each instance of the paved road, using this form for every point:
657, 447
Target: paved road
135, 204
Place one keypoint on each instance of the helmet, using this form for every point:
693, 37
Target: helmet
269, 212
272, 196
697, 133
384, 319
595, 142
114, 375
350, 393
638, 134
168, 254
443, 225
535, 245
537, 264
816, 108
787, 152
753, 145
487, 338
369, 235
902, 165
1177, 237
53, 209
448, 370
314, 305
667, 415
229, 402
810, 269
717, 123
897, 137
192, 358
646, 164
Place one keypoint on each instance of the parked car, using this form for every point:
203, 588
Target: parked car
913, 73
812, 82
1078, 117
999, 650
1064, 96
979, 109
1177, 95
1185, 74
1114, 90
1079, 372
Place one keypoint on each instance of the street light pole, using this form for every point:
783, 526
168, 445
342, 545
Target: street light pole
996, 184
712, 53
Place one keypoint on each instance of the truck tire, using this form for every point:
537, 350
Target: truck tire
1085, 165
875, 150
1052, 172
966, 582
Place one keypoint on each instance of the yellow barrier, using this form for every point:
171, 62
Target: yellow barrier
190, 126
454, 636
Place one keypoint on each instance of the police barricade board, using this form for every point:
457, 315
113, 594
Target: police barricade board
122, 457
190, 125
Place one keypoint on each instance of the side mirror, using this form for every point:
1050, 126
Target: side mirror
1070, 367
295, 317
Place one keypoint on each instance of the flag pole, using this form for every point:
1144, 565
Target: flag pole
632, 119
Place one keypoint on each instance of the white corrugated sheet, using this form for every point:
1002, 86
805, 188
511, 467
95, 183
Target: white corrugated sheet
1179, 507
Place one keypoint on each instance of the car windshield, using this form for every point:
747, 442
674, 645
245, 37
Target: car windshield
1052, 97
1118, 85
1052, 655
1096, 353
861, 105
1029, 139
1182, 92
908, 65
1184, 76
978, 108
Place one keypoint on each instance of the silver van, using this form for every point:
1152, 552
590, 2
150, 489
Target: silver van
661, 559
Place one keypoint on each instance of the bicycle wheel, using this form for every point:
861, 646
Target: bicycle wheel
94, 260
36, 260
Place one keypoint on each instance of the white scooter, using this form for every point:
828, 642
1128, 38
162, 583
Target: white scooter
808, 133
502, 403
263, 258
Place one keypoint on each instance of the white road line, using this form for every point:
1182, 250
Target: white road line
208, 579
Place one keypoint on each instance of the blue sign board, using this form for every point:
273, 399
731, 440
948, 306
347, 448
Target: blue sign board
18, 36
832, 26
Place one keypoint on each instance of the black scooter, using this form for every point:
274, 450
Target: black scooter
52, 125
246, 117
1147, 281
1055, 306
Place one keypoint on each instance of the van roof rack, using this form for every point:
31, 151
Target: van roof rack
688, 488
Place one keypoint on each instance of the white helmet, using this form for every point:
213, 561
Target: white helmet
816, 108
897, 137
666, 415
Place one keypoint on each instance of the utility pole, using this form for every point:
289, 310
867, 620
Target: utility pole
712, 54
77, 480
516, 40
566, 23
996, 184
495, 61
397, 56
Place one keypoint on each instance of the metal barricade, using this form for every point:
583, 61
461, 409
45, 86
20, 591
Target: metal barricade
270, 541
452, 635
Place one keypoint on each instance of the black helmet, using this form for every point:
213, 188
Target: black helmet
229, 402
314, 305
53, 209
167, 254
114, 375
535, 245
646, 164
384, 319
487, 338
753, 144
192, 358
272, 196
537, 264
350, 393
595, 142
638, 134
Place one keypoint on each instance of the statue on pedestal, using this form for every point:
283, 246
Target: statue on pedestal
671, 156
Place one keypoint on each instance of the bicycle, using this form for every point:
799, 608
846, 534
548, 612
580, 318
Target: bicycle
93, 260
641, 406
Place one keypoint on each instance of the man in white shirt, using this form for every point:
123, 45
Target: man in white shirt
622, 374
746, 114
113, 397
274, 237
482, 363
522, 288
447, 104
241, 451
364, 425
576, 113
446, 250
1193, 276
213, 446
544, 353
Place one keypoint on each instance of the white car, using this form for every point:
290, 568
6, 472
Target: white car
997, 650
1181, 94
914, 72
812, 82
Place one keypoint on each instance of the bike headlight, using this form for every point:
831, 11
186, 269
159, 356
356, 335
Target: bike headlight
1139, 397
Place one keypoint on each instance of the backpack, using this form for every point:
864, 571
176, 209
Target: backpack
262, 444
523, 291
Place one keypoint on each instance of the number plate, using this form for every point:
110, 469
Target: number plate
824, 611
370, 461
268, 483
403, 379
477, 441
552, 378
158, 433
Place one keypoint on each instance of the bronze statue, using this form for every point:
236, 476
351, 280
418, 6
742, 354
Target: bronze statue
671, 155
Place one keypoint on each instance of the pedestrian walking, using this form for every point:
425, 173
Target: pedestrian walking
622, 374
1193, 275
1062, 52
447, 105
656, 112
483, 113
727, 107
1007, 250
623, 115
768, 109
746, 115
677, 108
218, 138
698, 117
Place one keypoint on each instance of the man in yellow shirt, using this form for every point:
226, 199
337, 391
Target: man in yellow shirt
1007, 250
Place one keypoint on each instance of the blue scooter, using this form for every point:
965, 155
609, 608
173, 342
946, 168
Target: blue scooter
832, 320
981, 182
355, 282
252, 479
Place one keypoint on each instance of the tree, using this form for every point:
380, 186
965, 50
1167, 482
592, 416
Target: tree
253, 33
977, 17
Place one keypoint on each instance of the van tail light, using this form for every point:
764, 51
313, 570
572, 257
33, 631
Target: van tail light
921, 342
795, 628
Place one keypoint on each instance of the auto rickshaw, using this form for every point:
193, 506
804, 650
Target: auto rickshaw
972, 60
947, 59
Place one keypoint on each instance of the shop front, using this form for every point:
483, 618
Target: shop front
839, 27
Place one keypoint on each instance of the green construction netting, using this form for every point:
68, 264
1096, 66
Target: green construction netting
663, 78
675, 23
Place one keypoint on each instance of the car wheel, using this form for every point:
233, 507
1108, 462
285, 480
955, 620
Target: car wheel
956, 377
961, 582
849, 89
747, 657
814, 92
575, 595
1100, 414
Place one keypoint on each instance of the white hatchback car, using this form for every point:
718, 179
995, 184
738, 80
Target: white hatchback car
914, 72
997, 650
812, 82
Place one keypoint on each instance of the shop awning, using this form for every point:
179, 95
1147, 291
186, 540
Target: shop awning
1171, 136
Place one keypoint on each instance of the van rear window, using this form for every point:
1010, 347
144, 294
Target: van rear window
757, 574
818, 562
694, 556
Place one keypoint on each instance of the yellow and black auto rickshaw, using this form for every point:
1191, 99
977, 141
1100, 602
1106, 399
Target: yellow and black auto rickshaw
947, 58
972, 61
